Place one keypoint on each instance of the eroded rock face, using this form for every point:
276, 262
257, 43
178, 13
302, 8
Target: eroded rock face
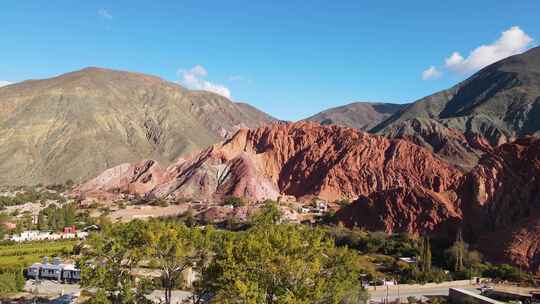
303, 160
412, 210
397, 186
497, 205
500, 200
462, 150
135, 179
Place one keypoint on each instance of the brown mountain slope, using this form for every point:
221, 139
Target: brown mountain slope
462, 150
300, 159
78, 124
358, 115
500, 102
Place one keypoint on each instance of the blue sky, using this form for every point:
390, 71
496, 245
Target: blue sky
288, 58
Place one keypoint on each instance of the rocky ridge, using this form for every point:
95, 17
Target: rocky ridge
304, 160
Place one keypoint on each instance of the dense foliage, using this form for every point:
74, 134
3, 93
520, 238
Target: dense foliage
401, 244
282, 264
267, 263
55, 218
108, 263
11, 280
458, 259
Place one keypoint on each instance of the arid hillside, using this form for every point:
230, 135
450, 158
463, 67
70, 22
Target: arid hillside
76, 125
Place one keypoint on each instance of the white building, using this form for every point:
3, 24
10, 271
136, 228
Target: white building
36, 235
54, 271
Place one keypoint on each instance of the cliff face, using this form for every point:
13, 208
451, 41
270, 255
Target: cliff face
497, 205
413, 210
500, 200
76, 125
304, 160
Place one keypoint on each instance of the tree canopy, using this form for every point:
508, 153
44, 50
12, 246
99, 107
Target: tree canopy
282, 264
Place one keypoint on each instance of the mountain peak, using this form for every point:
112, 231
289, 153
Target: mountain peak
358, 115
94, 118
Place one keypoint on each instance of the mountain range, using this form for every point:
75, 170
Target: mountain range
463, 159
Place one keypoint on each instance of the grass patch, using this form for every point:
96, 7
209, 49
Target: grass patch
22, 255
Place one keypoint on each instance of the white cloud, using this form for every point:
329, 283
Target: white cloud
431, 73
103, 13
512, 41
4, 83
193, 79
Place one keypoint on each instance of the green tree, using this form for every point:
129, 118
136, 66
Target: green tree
108, 260
99, 298
282, 264
173, 249
458, 252
69, 215
189, 218
41, 223
235, 201
425, 255
269, 214
3, 219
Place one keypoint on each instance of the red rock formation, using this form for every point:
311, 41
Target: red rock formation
500, 200
126, 178
304, 160
497, 205
412, 210
399, 186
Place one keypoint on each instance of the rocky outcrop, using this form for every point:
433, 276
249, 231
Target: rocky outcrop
462, 150
496, 205
412, 210
136, 179
304, 160
397, 186
500, 200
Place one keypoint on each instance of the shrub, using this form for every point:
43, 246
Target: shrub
235, 201
412, 300
11, 281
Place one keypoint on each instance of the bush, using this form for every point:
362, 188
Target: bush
397, 245
504, 272
235, 201
412, 300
